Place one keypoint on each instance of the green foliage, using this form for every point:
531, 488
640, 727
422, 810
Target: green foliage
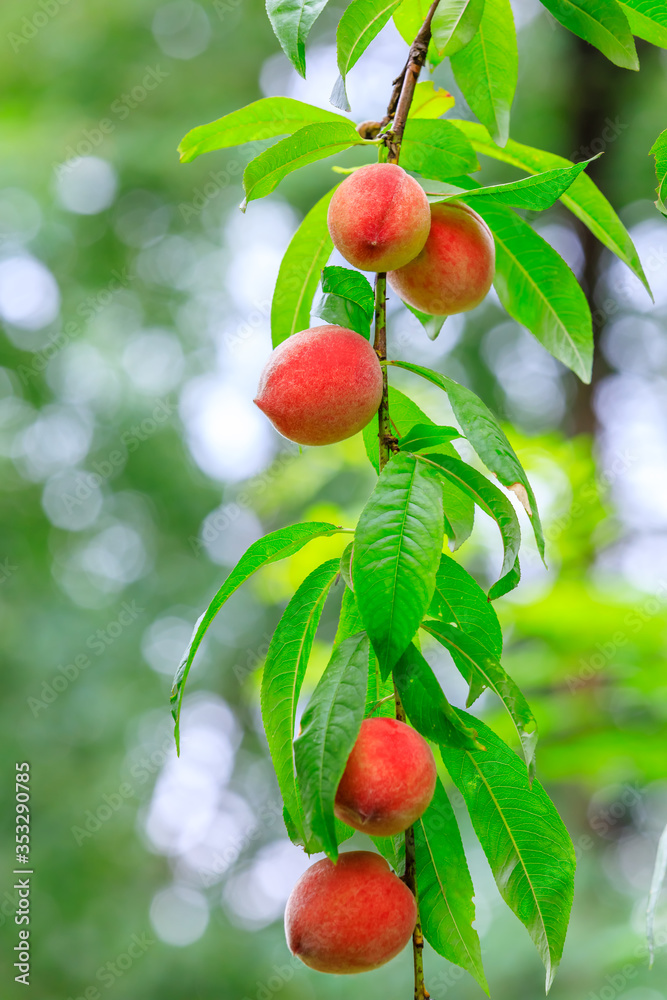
583, 197
265, 119
437, 149
299, 274
329, 728
397, 547
657, 883
524, 839
475, 662
426, 704
534, 194
647, 20
291, 21
487, 438
600, 22
278, 545
445, 888
539, 290
460, 600
494, 503
357, 28
430, 101
284, 670
347, 299
659, 151
314, 142
486, 69
426, 437
454, 25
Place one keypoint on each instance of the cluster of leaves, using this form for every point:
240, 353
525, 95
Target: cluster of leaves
398, 576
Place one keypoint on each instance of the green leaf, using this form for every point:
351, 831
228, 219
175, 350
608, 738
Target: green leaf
432, 324
347, 299
473, 659
494, 503
659, 151
647, 20
535, 194
455, 24
291, 21
600, 22
487, 69
434, 148
409, 18
460, 600
329, 728
264, 119
430, 101
583, 197
345, 570
487, 438
299, 274
361, 22
426, 437
524, 839
657, 882
314, 142
380, 693
277, 545
284, 670
397, 548
539, 290
445, 888
404, 415
425, 703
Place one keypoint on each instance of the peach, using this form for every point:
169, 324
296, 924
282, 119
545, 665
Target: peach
389, 778
455, 269
321, 385
352, 916
379, 217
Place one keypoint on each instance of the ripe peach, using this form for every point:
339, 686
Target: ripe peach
455, 269
379, 217
321, 385
389, 778
349, 917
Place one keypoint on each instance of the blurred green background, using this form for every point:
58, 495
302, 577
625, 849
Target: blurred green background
134, 470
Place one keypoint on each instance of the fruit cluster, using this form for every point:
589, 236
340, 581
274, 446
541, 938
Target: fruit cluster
324, 384
355, 915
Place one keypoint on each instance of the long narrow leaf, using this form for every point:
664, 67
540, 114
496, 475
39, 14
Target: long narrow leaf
277, 545
397, 548
299, 274
329, 728
284, 669
600, 22
361, 22
647, 20
487, 438
657, 882
470, 654
524, 839
291, 21
583, 198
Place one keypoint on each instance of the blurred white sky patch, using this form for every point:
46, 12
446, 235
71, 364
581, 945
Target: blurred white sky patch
57, 439
20, 216
182, 29
86, 185
179, 915
255, 896
154, 362
29, 294
230, 439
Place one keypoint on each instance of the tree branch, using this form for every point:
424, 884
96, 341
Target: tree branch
398, 109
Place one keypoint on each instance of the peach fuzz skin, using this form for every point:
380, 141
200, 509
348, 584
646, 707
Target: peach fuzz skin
349, 917
321, 385
379, 217
454, 271
389, 779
